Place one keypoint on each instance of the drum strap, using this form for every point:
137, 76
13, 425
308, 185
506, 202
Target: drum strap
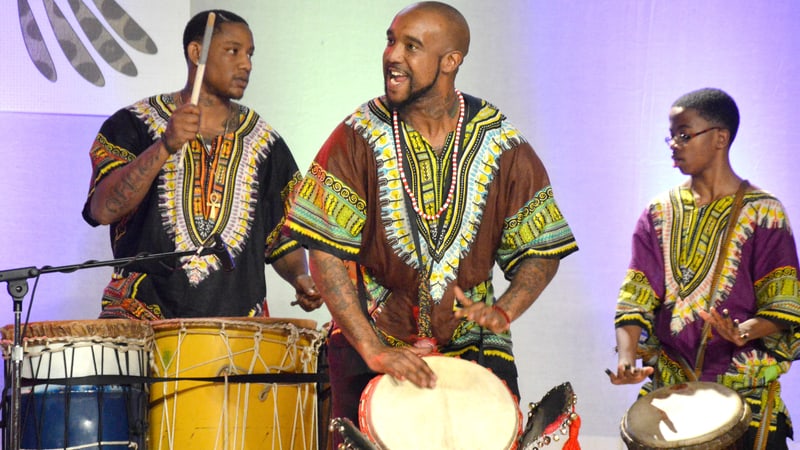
481, 360
425, 299
732, 219
362, 291
766, 416
691, 375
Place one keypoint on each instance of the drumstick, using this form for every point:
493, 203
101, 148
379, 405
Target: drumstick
201, 65
201, 70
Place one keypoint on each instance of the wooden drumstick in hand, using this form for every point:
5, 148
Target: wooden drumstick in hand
201, 68
201, 64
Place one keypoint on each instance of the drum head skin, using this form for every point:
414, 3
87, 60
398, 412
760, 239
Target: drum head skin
694, 415
469, 408
81, 348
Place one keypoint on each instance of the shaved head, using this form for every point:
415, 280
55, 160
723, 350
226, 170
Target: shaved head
425, 46
454, 23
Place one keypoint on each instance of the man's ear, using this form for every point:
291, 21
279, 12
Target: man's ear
452, 61
193, 50
723, 138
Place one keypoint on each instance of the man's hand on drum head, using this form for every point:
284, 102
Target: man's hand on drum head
629, 374
404, 363
306, 294
491, 317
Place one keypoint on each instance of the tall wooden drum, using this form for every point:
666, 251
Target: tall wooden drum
225, 415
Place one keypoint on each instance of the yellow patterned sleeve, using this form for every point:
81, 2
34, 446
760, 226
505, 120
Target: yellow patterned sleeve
636, 302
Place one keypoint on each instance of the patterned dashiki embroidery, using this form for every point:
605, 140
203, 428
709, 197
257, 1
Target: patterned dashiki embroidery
220, 197
330, 214
675, 251
200, 192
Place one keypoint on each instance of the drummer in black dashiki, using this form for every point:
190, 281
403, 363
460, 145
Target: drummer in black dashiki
168, 175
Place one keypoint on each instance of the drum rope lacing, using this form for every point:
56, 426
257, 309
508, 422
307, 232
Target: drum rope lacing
296, 356
78, 349
301, 351
127, 354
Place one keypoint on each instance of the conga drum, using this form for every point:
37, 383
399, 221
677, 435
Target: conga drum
188, 412
470, 408
102, 411
695, 415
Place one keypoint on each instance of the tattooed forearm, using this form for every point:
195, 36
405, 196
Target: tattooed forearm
341, 298
331, 277
533, 275
123, 190
135, 178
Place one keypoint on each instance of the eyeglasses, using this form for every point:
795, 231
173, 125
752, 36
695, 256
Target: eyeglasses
683, 138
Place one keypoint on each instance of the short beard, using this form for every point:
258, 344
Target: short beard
415, 95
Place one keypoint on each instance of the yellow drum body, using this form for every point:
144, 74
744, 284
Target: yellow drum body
233, 415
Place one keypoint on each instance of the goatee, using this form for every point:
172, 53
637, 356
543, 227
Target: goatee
413, 97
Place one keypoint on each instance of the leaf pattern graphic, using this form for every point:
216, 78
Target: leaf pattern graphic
101, 39
95, 32
32, 36
71, 45
126, 27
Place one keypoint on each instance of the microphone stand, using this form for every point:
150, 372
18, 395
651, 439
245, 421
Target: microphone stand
17, 280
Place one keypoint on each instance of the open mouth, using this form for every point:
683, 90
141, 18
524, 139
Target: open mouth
395, 77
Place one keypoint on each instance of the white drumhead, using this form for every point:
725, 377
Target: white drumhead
469, 408
81, 348
684, 414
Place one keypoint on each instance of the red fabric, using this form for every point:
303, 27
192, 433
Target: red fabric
572, 443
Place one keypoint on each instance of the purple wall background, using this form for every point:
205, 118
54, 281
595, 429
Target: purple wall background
588, 83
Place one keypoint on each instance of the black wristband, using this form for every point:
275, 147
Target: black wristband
166, 147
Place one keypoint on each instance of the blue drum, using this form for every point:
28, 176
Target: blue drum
56, 411
76, 416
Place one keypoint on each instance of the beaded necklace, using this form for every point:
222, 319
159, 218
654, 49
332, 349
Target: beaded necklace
453, 179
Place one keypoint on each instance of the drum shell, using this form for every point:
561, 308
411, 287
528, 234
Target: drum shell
669, 418
203, 414
73, 416
79, 416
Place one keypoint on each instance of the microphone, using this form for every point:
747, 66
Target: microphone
220, 250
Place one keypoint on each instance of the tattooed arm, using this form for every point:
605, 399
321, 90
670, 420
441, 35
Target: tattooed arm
123, 189
341, 298
533, 275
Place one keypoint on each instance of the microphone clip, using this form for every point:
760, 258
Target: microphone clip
215, 246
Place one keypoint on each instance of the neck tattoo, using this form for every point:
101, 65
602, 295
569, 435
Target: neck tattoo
454, 175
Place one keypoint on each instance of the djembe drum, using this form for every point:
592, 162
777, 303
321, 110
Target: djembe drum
190, 412
470, 408
697, 415
74, 393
